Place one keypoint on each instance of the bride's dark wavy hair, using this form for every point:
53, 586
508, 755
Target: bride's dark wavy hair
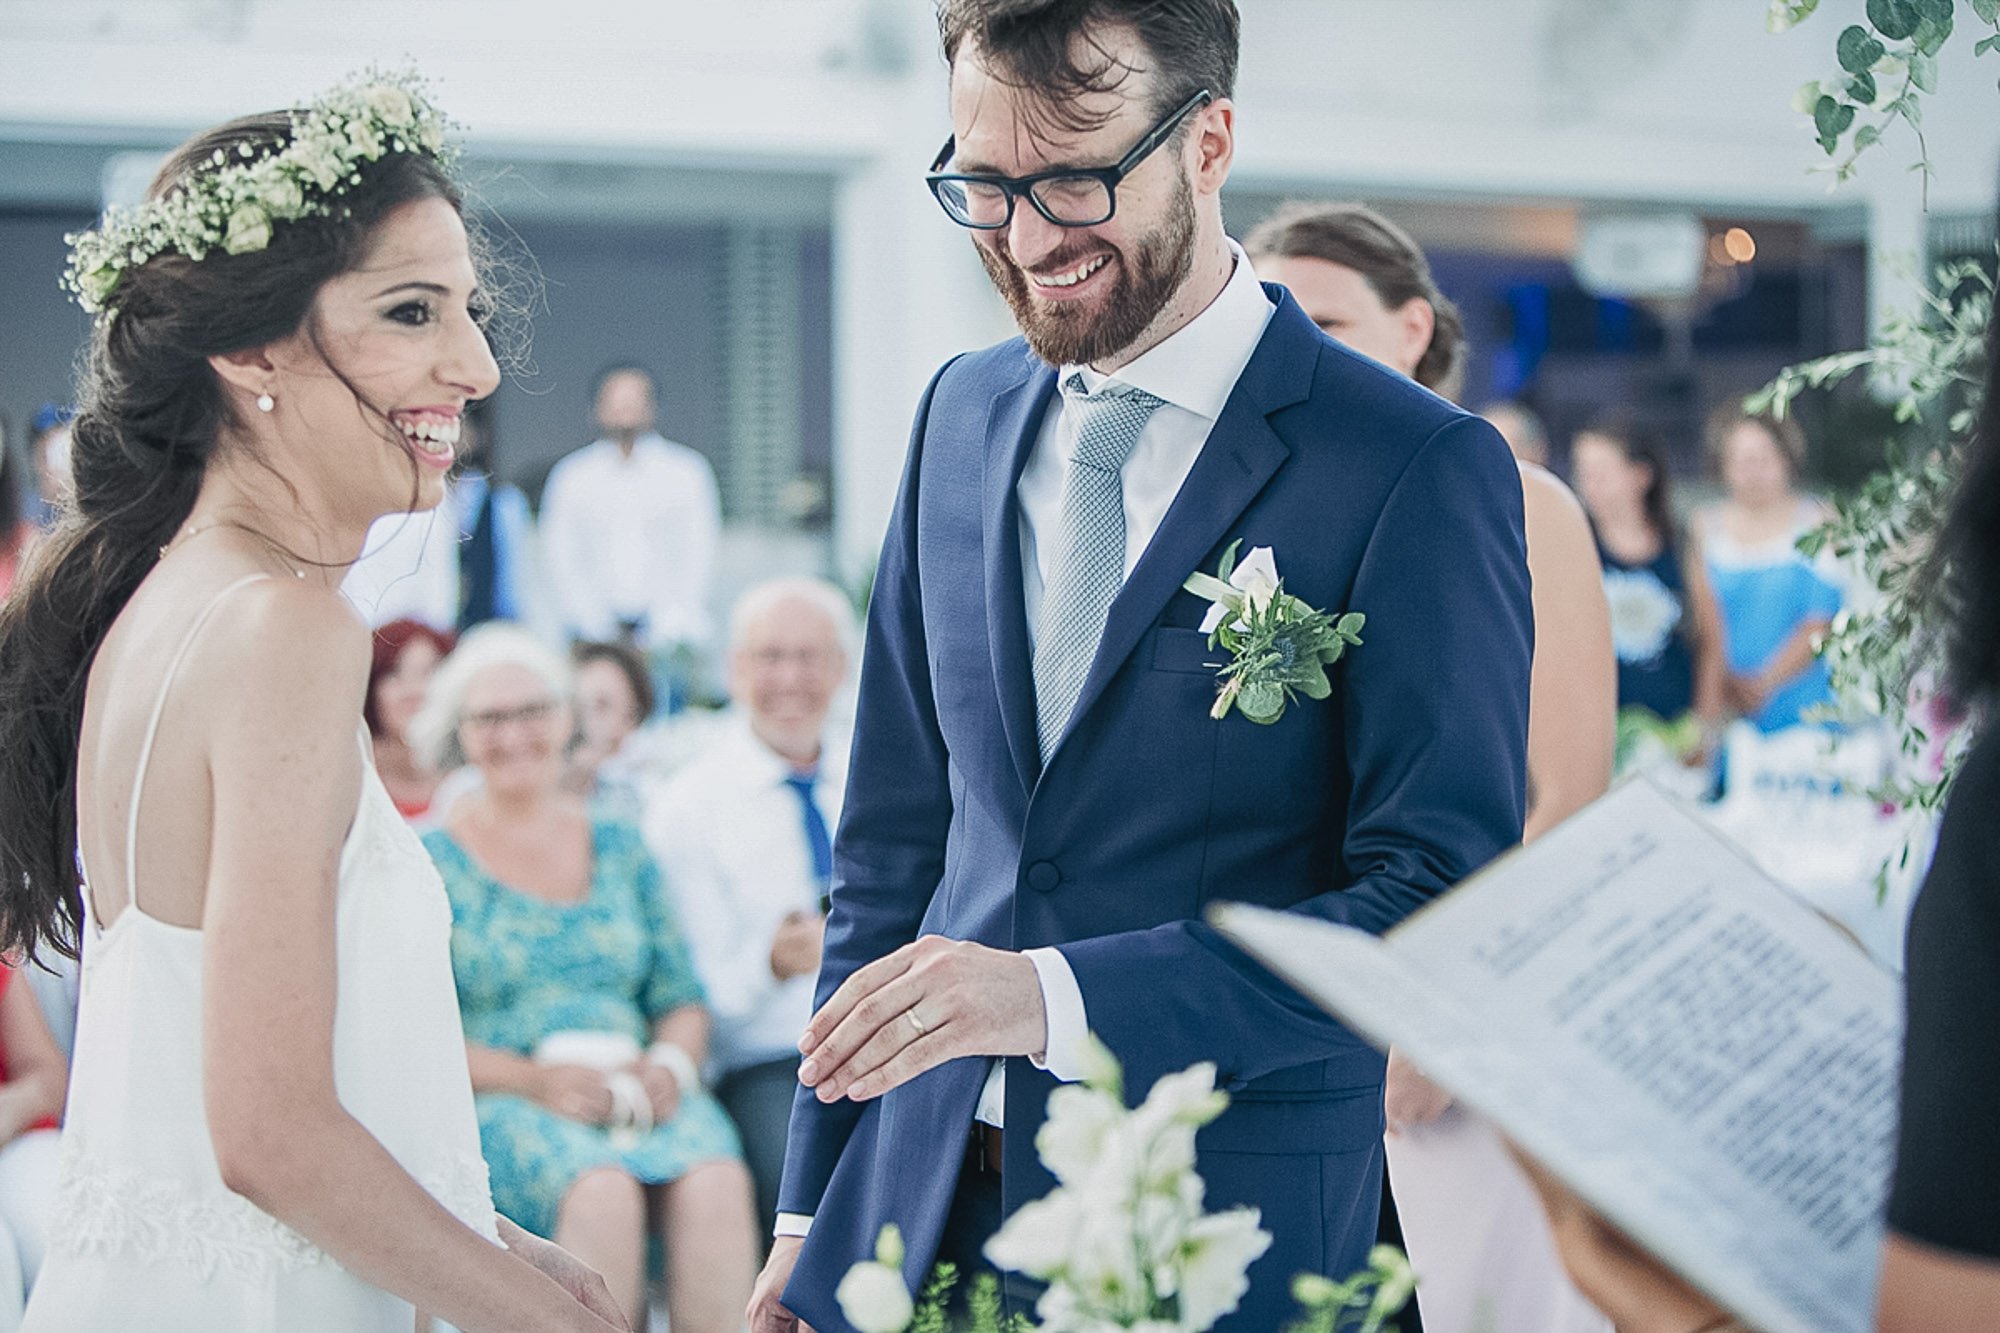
152, 413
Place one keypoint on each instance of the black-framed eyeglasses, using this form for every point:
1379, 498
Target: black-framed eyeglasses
494, 719
1067, 196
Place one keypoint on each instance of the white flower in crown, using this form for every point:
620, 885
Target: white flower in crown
236, 205
392, 106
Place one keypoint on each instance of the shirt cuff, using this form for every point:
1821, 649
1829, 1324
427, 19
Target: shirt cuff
1062, 1002
792, 1224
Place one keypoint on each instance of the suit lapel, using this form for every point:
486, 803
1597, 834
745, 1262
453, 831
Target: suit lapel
1240, 457
1011, 430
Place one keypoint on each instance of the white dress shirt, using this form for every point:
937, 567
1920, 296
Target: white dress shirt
729, 837
632, 538
1193, 372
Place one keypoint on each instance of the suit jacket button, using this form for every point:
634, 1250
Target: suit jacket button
1043, 876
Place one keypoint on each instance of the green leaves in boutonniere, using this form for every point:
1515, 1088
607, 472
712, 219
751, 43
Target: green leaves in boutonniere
1279, 646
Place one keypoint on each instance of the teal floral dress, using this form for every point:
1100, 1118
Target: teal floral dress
525, 968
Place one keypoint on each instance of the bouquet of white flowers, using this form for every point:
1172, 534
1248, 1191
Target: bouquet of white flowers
1122, 1242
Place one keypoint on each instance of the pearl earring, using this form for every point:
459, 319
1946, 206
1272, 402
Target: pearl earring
265, 402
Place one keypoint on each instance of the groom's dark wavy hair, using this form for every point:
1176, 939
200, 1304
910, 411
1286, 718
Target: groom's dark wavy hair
153, 414
1053, 48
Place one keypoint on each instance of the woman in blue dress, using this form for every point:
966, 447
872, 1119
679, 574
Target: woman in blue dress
584, 1020
1664, 624
1775, 602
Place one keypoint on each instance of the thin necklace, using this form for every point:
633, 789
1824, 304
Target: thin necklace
193, 530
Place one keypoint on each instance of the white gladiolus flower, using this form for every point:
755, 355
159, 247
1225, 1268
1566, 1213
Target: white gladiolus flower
1214, 1276
874, 1299
1081, 1120
1040, 1238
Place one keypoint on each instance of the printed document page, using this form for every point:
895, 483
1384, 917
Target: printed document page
1695, 1052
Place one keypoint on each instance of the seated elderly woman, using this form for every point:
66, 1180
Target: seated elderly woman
33, 1080
584, 1020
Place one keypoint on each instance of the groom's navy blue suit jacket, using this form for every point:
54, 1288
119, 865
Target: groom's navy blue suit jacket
1375, 496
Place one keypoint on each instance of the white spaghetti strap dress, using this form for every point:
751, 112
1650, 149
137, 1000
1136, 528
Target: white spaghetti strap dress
144, 1235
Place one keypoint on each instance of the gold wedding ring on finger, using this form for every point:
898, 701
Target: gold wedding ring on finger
923, 1028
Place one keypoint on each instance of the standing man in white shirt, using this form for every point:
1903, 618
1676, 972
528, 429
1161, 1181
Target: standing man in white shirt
743, 836
629, 525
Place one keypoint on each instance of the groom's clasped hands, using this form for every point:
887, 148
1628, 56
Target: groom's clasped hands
930, 1001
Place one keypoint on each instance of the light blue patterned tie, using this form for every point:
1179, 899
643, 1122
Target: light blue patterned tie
1087, 566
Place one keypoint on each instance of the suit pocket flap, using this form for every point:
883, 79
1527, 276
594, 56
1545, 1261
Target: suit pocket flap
1176, 649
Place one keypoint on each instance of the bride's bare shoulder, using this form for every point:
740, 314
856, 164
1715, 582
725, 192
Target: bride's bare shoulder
283, 638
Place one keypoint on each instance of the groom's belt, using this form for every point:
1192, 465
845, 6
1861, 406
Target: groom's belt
982, 1148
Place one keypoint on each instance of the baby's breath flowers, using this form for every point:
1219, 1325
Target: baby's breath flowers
232, 204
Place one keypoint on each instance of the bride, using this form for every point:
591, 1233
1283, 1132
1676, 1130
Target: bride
270, 1124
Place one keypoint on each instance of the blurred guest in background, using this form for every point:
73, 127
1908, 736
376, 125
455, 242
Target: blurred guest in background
407, 652
1462, 1210
1775, 603
33, 1081
456, 566
16, 531
584, 1017
1941, 1257
48, 453
614, 700
1367, 284
744, 835
495, 529
1522, 429
630, 525
1663, 616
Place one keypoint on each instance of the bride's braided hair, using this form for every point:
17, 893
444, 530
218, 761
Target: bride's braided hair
151, 414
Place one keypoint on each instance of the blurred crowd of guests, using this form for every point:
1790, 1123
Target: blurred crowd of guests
628, 882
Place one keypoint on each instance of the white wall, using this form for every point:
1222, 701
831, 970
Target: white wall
1645, 101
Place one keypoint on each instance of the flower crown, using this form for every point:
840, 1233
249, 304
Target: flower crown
232, 206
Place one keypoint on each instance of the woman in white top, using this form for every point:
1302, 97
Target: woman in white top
270, 1123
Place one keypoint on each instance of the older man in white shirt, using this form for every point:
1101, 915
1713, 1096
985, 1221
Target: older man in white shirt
630, 524
744, 836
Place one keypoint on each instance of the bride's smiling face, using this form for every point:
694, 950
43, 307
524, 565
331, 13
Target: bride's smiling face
371, 387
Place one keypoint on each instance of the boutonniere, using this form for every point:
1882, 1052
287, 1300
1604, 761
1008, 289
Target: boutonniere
1279, 646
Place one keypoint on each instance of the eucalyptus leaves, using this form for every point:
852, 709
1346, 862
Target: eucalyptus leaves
1885, 65
1885, 654
1279, 646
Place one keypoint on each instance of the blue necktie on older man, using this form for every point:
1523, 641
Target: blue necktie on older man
818, 841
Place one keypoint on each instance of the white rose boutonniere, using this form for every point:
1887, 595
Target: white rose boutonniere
1279, 646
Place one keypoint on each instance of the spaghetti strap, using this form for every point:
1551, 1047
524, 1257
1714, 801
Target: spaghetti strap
152, 734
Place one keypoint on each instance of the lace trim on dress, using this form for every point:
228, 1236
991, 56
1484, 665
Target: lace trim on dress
105, 1210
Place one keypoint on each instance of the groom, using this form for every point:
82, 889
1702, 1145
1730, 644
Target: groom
1040, 806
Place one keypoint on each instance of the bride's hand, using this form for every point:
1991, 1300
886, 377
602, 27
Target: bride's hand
566, 1271
1409, 1099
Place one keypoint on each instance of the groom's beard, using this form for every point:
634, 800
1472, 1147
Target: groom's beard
1146, 278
